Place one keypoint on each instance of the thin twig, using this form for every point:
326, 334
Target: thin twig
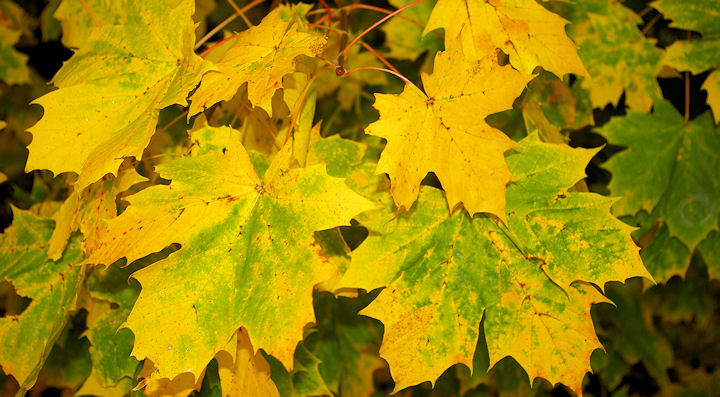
405, 79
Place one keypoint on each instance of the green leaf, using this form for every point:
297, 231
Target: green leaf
339, 355
530, 280
52, 286
666, 256
669, 167
710, 250
246, 241
696, 55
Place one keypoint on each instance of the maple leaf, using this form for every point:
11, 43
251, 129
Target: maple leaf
260, 56
681, 184
111, 90
697, 55
529, 280
242, 371
530, 34
444, 132
618, 56
52, 286
248, 241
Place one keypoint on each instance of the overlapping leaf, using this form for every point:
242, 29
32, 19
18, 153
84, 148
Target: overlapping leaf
242, 371
26, 339
697, 56
670, 167
443, 131
618, 56
529, 280
112, 89
260, 56
530, 34
247, 241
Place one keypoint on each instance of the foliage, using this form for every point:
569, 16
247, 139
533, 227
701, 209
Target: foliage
254, 198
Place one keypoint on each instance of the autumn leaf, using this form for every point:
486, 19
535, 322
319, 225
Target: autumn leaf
618, 56
248, 241
697, 55
443, 131
111, 90
242, 371
530, 281
52, 286
526, 31
260, 56
670, 167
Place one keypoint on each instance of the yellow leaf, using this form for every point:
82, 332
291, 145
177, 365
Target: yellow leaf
112, 90
445, 132
180, 386
530, 34
242, 371
260, 56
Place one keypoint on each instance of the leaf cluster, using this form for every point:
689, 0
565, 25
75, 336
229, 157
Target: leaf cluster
235, 197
